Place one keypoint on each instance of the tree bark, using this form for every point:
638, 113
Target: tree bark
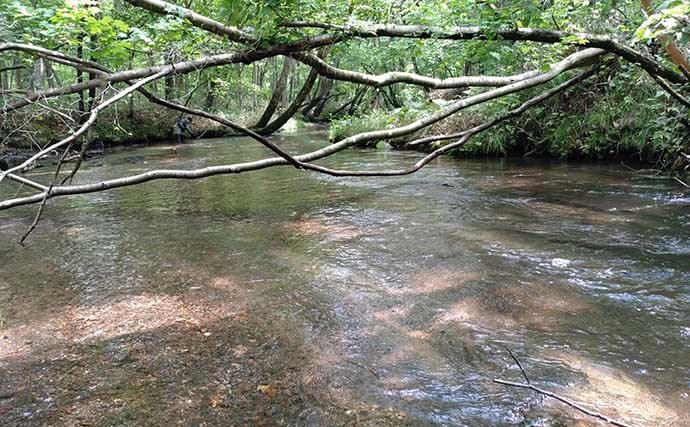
277, 94
292, 109
344, 32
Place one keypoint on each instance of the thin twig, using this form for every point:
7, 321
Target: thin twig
38, 215
679, 180
524, 374
566, 401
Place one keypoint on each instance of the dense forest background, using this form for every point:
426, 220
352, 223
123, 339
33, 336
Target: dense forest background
621, 113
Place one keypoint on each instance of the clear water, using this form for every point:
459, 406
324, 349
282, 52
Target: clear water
368, 301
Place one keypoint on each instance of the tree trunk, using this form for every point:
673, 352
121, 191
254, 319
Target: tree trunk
51, 75
80, 78
4, 82
210, 94
37, 75
314, 108
130, 106
169, 87
356, 100
92, 90
292, 109
277, 95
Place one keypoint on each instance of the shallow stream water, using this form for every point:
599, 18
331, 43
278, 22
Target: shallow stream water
282, 297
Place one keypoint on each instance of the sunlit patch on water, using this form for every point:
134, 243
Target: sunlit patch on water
532, 304
366, 300
315, 226
435, 280
618, 395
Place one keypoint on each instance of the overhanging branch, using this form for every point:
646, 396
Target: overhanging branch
555, 70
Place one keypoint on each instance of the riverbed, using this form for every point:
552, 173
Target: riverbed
284, 297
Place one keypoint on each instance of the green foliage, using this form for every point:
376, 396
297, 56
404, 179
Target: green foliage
671, 19
588, 123
375, 120
605, 121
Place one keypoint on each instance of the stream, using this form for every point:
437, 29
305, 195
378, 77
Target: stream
284, 297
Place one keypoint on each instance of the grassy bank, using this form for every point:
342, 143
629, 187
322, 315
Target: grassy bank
600, 121
144, 123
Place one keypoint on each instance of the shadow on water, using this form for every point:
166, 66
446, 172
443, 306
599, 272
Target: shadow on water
281, 297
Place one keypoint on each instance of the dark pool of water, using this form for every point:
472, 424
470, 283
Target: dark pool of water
403, 293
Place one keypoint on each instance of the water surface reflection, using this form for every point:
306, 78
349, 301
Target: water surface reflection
281, 297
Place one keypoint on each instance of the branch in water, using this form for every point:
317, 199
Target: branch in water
564, 400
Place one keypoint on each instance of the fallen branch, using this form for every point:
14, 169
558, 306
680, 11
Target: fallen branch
38, 215
26, 181
472, 32
671, 91
369, 30
386, 79
564, 400
87, 124
681, 182
341, 145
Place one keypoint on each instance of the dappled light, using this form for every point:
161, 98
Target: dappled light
344, 213
319, 228
618, 394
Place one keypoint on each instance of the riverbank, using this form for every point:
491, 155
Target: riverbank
600, 122
147, 126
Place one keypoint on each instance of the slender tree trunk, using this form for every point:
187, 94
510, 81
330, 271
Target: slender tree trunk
130, 106
415, 66
38, 74
51, 75
170, 78
323, 99
356, 100
255, 80
4, 80
17, 74
151, 63
80, 78
292, 109
210, 93
277, 94
324, 89
92, 90
241, 91
169, 87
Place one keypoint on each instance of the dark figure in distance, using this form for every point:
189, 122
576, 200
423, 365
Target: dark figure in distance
182, 125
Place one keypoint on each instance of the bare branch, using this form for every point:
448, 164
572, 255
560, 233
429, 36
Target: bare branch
12, 67
671, 91
55, 56
393, 77
30, 183
370, 30
165, 8
38, 215
92, 119
554, 71
466, 135
566, 401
